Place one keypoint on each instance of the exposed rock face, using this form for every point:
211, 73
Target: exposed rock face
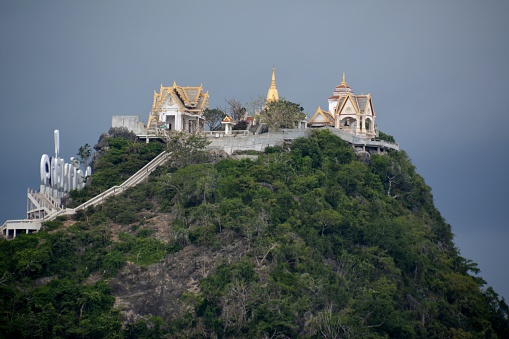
244, 156
156, 290
216, 155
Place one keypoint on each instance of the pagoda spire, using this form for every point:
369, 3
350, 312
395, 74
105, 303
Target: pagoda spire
344, 80
272, 94
273, 82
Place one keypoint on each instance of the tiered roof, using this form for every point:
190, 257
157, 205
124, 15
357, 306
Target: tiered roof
341, 89
190, 99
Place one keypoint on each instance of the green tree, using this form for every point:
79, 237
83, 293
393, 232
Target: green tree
194, 184
386, 137
326, 219
84, 153
282, 114
185, 148
213, 117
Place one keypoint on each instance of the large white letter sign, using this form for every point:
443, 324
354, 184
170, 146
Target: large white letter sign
45, 170
61, 176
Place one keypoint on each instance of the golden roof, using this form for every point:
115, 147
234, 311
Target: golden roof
191, 99
327, 118
226, 119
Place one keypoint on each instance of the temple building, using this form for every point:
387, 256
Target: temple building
178, 108
349, 112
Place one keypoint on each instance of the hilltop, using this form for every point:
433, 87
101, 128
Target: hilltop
311, 241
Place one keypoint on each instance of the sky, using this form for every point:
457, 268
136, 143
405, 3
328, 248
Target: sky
437, 72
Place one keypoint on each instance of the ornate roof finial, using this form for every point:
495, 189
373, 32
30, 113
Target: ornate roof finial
344, 79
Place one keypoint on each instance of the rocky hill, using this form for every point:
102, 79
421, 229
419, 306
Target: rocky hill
308, 242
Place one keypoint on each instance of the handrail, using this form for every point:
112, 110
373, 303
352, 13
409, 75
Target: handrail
22, 221
242, 132
133, 180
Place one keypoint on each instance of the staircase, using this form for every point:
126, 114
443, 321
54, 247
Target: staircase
40, 205
11, 228
258, 129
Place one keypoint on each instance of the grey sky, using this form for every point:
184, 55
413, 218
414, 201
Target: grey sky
437, 72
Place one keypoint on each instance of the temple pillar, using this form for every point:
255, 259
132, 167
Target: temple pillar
227, 129
178, 123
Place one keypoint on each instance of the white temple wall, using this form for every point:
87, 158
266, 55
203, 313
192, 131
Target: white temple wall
260, 141
332, 105
131, 122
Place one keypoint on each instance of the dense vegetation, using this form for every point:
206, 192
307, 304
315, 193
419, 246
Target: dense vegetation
118, 157
325, 245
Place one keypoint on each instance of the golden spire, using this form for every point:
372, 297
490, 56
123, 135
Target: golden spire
272, 94
344, 80
273, 82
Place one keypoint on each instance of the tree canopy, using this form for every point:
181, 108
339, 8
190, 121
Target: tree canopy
281, 114
310, 242
185, 148
84, 154
213, 117
236, 109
